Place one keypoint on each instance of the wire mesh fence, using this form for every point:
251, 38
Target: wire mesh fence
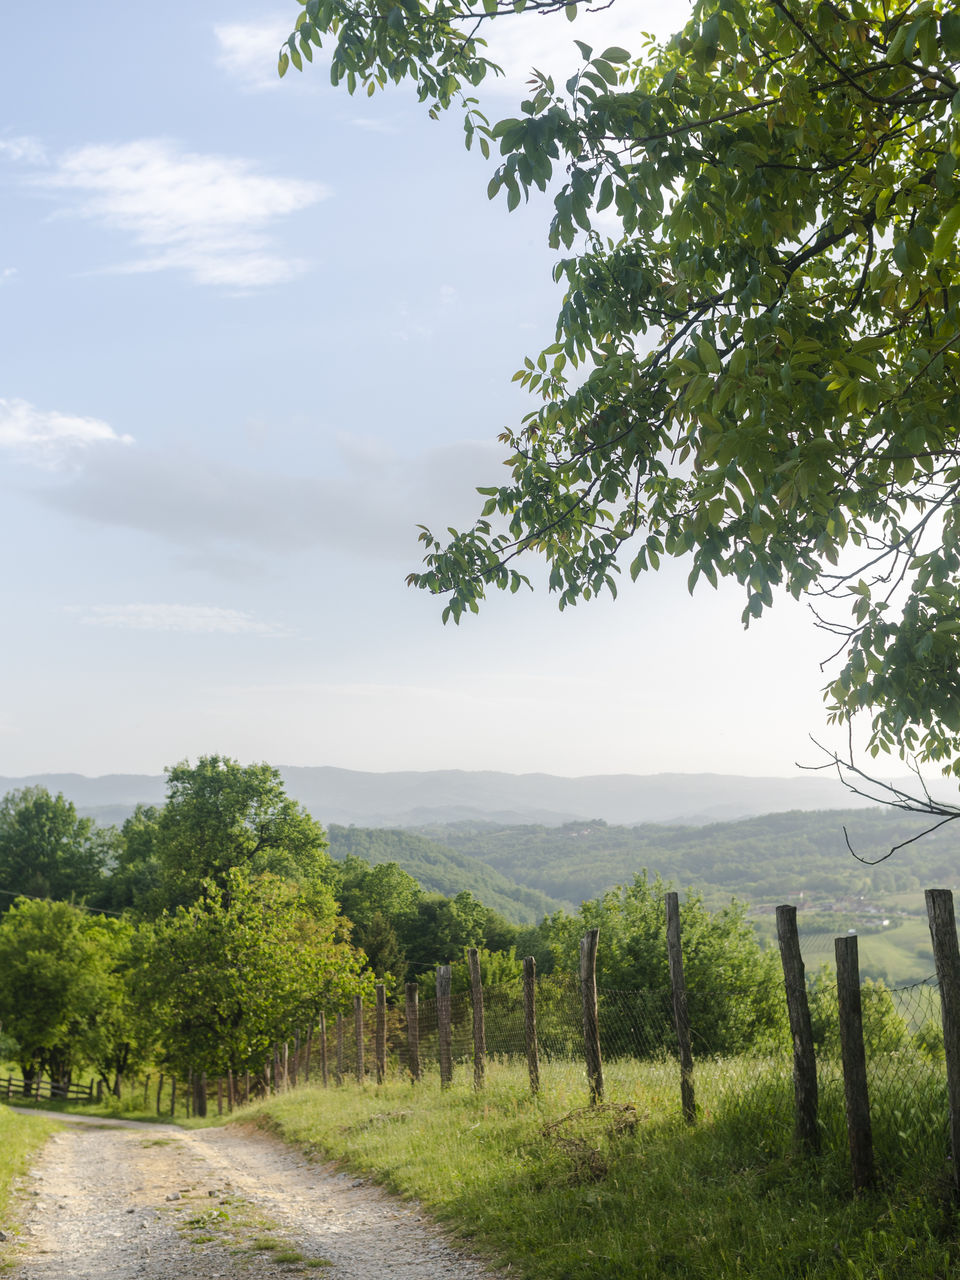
743, 1070
744, 1037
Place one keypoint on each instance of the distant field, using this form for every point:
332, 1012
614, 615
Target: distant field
898, 954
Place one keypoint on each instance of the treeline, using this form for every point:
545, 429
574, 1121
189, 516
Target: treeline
758, 859
202, 931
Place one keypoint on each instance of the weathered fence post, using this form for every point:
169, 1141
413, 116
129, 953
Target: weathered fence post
295, 1062
306, 1065
859, 1132
530, 1021
358, 1033
202, 1109
339, 1076
286, 1065
681, 1014
381, 1039
591, 1016
479, 1029
444, 1025
231, 1092
323, 1049
219, 1095
412, 993
146, 1090
246, 1087
159, 1092
804, 1056
943, 934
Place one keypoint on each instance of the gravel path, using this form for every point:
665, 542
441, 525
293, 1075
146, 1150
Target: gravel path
105, 1202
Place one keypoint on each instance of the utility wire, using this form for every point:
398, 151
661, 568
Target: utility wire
38, 897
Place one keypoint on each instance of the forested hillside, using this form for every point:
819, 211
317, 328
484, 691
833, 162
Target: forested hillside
775, 857
439, 869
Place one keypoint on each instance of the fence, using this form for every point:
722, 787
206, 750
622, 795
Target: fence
836, 1063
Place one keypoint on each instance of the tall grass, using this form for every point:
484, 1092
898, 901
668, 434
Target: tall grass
563, 1192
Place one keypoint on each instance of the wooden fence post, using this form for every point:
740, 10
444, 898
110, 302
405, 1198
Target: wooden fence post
479, 1029
159, 1092
219, 1095
173, 1096
943, 934
306, 1065
444, 1025
246, 1087
381, 1039
231, 1091
339, 1076
591, 1016
358, 1033
286, 1065
323, 1049
859, 1133
530, 1021
804, 1055
295, 1062
412, 993
146, 1090
202, 1109
681, 1014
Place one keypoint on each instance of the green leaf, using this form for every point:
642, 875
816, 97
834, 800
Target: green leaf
945, 240
708, 354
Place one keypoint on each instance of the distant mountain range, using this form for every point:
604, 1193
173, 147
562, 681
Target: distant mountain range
416, 799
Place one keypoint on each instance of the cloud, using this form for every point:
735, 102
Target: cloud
249, 50
23, 149
213, 511
206, 215
193, 618
50, 435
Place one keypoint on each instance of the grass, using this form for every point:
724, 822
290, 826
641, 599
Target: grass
563, 1192
20, 1136
233, 1223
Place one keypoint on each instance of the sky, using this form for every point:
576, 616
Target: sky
253, 333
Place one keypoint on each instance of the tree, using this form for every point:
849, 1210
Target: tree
46, 850
58, 978
221, 815
245, 965
734, 988
759, 369
441, 929
136, 877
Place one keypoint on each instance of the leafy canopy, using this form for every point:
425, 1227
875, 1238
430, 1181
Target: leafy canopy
220, 815
234, 972
46, 850
756, 359
61, 985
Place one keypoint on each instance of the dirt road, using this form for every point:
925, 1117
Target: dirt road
160, 1203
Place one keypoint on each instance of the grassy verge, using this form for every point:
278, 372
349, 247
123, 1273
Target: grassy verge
563, 1193
20, 1136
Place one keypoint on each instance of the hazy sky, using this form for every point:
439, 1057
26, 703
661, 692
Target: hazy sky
253, 333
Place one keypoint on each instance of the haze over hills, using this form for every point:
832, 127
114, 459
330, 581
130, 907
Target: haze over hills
416, 799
